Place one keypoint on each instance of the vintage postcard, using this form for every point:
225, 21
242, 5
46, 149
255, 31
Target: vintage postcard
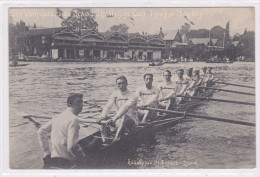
130, 88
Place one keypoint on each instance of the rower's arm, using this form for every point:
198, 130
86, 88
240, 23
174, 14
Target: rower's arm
44, 137
183, 89
130, 103
199, 83
172, 94
109, 105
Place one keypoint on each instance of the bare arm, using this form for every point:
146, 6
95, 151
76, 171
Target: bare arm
44, 137
108, 106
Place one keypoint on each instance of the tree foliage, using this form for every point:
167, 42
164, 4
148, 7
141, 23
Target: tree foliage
80, 18
121, 28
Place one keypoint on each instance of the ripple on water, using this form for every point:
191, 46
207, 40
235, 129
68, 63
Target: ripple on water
42, 89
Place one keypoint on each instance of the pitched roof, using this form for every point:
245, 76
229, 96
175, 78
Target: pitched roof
170, 34
43, 31
204, 41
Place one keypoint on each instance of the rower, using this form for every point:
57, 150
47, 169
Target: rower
181, 85
167, 91
204, 76
197, 81
190, 80
148, 95
210, 77
117, 99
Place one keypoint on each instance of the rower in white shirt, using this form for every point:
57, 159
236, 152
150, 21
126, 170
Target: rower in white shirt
204, 77
197, 81
167, 91
189, 79
210, 77
118, 98
63, 132
181, 85
148, 96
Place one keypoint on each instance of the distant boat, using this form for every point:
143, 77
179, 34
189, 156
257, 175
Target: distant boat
156, 64
15, 63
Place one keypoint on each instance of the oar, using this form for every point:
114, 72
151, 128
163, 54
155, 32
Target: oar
224, 90
202, 116
80, 119
233, 84
220, 100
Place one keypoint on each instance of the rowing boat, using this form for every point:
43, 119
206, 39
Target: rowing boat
97, 154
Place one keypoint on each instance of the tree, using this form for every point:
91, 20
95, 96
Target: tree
227, 31
217, 32
80, 18
121, 28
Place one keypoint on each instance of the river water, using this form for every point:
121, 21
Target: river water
42, 88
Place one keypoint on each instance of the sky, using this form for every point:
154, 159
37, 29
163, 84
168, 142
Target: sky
147, 20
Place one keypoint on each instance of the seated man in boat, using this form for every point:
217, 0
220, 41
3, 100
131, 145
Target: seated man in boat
167, 91
189, 78
181, 85
210, 77
148, 95
118, 98
197, 81
204, 77
63, 132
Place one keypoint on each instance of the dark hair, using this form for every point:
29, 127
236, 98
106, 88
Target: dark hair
196, 72
167, 72
121, 77
72, 97
148, 74
181, 70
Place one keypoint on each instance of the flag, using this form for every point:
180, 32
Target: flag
189, 20
59, 13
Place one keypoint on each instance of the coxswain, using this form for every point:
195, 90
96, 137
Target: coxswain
167, 91
63, 133
127, 121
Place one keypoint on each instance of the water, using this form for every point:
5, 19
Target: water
42, 89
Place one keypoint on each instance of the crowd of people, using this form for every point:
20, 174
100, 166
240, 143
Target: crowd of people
63, 130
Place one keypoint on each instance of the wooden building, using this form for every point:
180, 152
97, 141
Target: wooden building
65, 43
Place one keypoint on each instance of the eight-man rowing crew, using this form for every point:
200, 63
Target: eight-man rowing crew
64, 128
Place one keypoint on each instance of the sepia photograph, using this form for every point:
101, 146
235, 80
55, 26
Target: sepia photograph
131, 88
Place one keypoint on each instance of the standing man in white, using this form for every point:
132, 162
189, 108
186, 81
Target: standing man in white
63, 132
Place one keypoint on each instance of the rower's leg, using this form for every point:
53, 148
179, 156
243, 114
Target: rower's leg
171, 104
104, 132
146, 114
